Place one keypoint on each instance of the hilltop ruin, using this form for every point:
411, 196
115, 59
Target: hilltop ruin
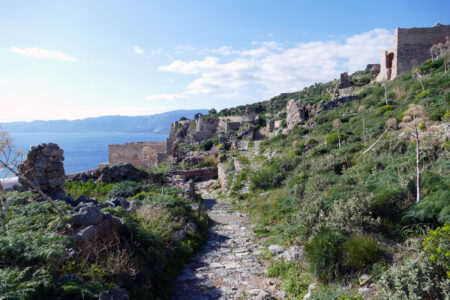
411, 49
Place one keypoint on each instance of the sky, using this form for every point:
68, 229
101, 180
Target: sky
78, 59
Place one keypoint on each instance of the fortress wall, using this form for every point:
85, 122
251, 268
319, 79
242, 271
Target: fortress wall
411, 48
141, 154
415, 44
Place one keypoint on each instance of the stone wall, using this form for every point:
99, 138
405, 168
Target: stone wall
141, 154
411, 48
326, 105
44, 167
200, 174
193, 132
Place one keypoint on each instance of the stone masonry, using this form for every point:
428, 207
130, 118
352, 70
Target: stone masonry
141, 154
411, 48
44, 167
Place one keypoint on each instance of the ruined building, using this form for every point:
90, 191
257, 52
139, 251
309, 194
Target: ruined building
411, 48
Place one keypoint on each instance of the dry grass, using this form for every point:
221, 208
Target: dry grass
151, 213
399, 91
115, 256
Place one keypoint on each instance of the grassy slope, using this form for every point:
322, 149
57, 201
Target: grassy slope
34, 263
354, 213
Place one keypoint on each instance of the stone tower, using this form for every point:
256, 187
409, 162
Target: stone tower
411, 48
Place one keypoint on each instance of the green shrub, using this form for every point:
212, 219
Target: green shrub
387, 200
333, 138
437, 246
383, 109
32, 249
422, 94
266, 178
415, 279
324, 253
207, 145
125, 189
435, 205
89, 189
207, 162
294, 281
359, 251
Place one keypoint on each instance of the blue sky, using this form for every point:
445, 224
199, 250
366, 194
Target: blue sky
77, 59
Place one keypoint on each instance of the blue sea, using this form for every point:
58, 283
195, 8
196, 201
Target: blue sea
82, 151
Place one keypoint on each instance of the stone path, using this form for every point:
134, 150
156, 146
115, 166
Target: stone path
227, 267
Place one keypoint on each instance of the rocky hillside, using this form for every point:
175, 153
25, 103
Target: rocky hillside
338, 191
334, 171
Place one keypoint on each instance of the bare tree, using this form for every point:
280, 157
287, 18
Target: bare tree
414, 120
446, 53
433, 51
9, 162
7, 157
2, 208
391, 124
419, 76
362, 111
385, 92
337, 124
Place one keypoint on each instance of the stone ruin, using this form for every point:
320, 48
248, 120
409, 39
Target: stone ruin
44, 167
411, 48
344, 81
193, 132
140, 154
298, 111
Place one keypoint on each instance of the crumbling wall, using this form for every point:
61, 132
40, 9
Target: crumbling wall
411, 48
44, 167
296, 113
140, 154
193, 132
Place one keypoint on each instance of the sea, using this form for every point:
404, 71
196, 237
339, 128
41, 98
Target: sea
84, 150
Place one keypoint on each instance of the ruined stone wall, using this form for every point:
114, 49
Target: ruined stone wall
44, 167
192, 132
141, 154
411, 48
415, 43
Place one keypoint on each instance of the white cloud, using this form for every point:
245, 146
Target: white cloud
138, 50
270, 66
42, 53
193, 67
3, 81
166, 97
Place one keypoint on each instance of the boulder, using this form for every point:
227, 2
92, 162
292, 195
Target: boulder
88, 215
111, 174
276, 249
294, 253
121, 201
326, 105
114, 294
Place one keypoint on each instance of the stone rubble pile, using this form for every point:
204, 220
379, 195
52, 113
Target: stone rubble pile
111, 174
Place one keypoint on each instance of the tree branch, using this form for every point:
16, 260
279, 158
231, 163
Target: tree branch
33, 185
376, 142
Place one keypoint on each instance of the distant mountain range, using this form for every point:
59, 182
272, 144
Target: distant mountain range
159, 123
